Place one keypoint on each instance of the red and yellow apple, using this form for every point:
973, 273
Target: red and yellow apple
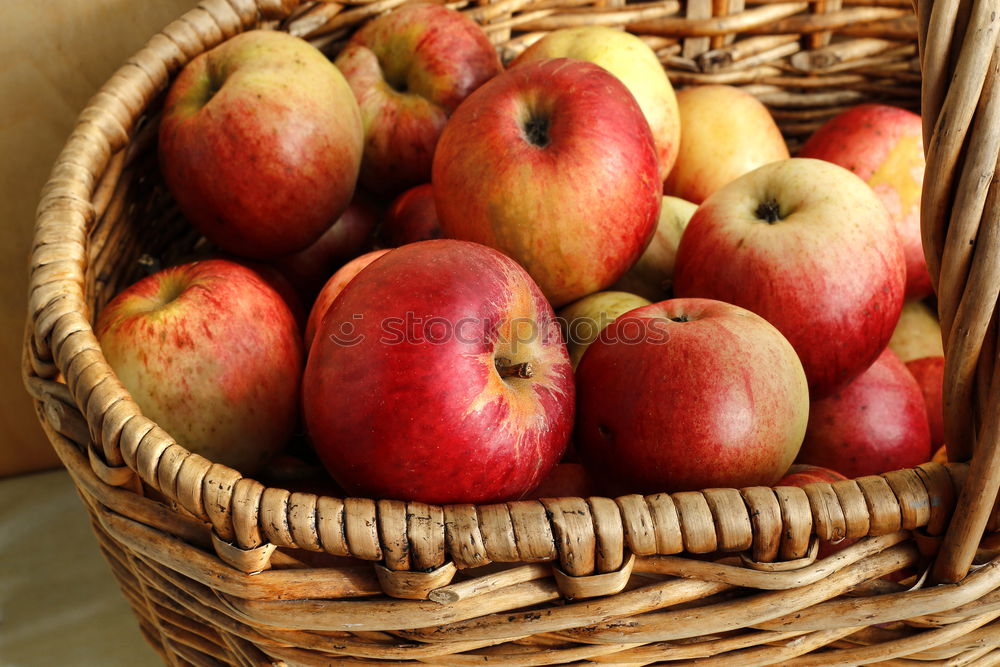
808, 246
411, 217
634, 63
584, 319
884, 146
567, 480
876, 424
917, 342
439, 375
689, 394
553, 164
409, 69
725, 133
332, 289
260, 143
652, 275
211, 353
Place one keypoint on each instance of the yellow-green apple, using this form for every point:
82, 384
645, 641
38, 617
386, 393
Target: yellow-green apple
689, 394
260, 143
917, 334
411, 217
584, 319
409, 69
333, 287
351, 235
652, 276
210, 352
884, 146
808, 246
634, 63
917, 343
875, 424
725, 133
553, 164
439, 375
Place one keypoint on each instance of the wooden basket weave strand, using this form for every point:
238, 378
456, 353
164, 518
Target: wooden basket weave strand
220, 568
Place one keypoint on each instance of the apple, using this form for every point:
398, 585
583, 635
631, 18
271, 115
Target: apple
808, 246
260, 143
567, 480
333, 287
211, 353
634, 63
439, 375
350, 236
801, 474
652, 276
411, 217
929, 374
876, 424
688, 394
553, 164
725, 133
917, 334
884, 146
584, 319
409, 69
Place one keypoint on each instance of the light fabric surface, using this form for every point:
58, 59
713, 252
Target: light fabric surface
59, 602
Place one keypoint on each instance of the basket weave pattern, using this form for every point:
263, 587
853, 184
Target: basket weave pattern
220, 568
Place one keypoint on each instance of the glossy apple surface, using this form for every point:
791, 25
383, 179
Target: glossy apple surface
725, 133
634, 63
689, 394
211, 353
260, 143
553, 164
410, 69
884, 146
876, 424
454, 385
808, 246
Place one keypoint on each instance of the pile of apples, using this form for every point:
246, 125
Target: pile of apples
725, 310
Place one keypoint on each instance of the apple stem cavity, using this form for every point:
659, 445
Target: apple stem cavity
769, 211
679, 318
536, 130
509, 370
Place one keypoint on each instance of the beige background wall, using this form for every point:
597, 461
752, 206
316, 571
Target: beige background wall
54, 55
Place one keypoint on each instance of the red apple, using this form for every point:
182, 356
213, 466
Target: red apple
210, 352
260, 143
439, 375
689, 394
808, 246
332, 289
884, 146
553, 164
801, 474
634, 63
409, 70
876, 424
410, 218
725, 133
567, 480
348, 237
929, 374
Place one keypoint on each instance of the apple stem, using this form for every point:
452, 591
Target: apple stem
769, 211
507, 369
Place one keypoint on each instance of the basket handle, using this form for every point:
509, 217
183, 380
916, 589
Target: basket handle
960, 220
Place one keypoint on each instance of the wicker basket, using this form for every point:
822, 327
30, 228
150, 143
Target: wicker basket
223, 569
